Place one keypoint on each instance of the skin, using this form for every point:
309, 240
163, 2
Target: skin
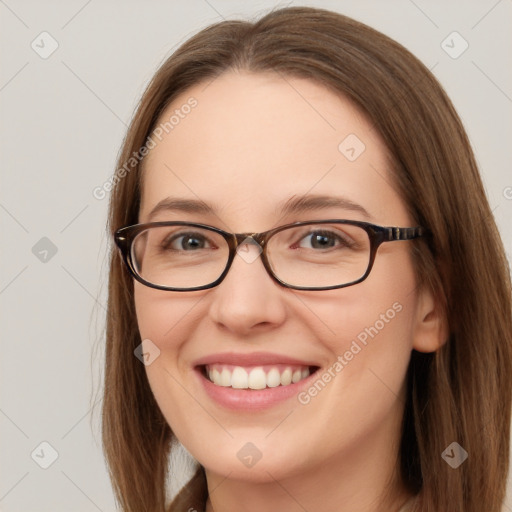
252, 142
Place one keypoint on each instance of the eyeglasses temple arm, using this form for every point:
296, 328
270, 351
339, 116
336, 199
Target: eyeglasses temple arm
396, 233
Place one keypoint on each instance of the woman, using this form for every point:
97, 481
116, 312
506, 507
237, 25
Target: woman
350, 348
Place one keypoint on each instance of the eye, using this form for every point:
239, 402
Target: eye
186, 242
322, 239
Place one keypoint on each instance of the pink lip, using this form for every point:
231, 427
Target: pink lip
249, 399
252, 359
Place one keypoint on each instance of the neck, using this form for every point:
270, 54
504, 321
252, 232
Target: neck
363, 478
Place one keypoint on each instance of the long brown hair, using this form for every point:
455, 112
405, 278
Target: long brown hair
462, 392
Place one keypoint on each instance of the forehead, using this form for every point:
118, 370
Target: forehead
247, 141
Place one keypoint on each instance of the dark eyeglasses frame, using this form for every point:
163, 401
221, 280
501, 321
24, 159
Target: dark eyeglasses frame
377, 234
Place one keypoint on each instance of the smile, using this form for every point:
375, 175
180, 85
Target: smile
252, 381
257, 377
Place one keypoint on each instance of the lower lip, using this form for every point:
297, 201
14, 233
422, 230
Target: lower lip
251, 399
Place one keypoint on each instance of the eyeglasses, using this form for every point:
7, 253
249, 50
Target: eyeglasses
312, 255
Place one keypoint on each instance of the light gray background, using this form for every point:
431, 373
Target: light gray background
62, 122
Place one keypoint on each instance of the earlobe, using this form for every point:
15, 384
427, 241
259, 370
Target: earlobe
431, 324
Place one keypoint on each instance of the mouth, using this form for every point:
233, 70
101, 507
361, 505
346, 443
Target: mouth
256, 377
253, 381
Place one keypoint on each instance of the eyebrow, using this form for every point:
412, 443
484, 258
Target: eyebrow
312, 202
294, 205
182, 205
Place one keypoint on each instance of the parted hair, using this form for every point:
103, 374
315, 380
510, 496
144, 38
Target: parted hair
461, 392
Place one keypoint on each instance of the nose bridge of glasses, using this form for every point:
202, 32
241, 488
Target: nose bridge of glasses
243, 243
249, 238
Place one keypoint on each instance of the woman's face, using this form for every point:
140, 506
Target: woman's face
252, 144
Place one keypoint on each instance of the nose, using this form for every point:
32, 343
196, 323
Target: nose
248, 300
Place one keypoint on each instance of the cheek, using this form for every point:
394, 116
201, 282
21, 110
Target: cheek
165, 318
361, 389
370, 339
376, 352
162, 315
379, 309
370, 344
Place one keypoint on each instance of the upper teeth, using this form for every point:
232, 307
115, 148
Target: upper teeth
255, 378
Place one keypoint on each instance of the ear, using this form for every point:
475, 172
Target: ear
431, 324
